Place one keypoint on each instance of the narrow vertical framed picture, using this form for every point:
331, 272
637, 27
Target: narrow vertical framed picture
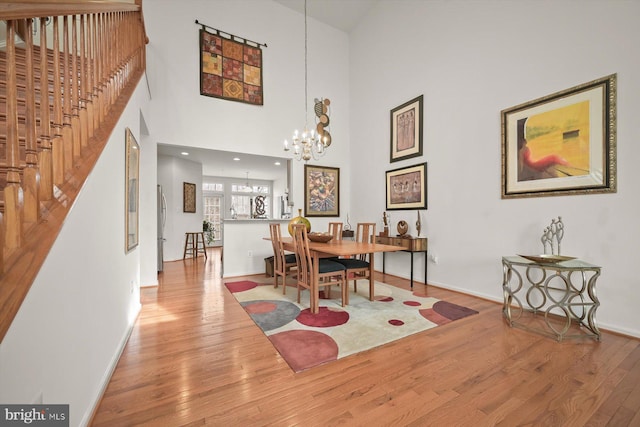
406, 130
132, 190
188, 197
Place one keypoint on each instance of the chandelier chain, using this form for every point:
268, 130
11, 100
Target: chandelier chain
306, 107
310, 144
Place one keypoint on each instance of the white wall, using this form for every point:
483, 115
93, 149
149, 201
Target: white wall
245, 248
181, 116
148, 208
471, 60
69, 331
172, 173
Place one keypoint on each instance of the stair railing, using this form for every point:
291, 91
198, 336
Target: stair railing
61, 94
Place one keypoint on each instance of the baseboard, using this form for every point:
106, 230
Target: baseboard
604, 327
87, 419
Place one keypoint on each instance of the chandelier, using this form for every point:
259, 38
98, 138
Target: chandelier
310, 144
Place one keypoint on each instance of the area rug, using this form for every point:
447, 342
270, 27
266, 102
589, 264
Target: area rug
306, 340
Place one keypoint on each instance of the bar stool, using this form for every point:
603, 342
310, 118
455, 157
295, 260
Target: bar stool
192, 245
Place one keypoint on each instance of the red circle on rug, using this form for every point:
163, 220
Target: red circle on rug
396, 322
260, 307
412, 303
324, 319
305, 349
383, 299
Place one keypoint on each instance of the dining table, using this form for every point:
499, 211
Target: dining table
339, 248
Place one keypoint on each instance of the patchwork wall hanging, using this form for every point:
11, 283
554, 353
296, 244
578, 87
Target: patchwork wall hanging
230, 66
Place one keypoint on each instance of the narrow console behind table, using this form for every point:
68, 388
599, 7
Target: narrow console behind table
557, 294
411, 245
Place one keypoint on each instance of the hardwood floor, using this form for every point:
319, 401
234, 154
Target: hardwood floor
195, 357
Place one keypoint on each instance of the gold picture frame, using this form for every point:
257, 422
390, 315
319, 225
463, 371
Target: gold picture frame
406, 130
188, 197
407, 188
132, 190
321, 191
561, 144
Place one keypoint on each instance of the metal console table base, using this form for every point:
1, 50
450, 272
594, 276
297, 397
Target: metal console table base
561, 294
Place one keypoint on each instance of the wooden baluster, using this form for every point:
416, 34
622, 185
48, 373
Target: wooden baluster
75, 101
115, 66
108, 69
132, 42
112, 41
30, 174
117, 54
123, 51
57, 145
13, 196
101, 59
88, 89
45, 160
96, 73
84, 115
67, 131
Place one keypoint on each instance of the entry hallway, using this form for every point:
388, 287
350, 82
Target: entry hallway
195, 358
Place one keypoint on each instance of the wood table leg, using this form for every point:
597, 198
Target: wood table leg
371, 278
314, 288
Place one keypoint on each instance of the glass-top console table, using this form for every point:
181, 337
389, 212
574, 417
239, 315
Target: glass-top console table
561, 297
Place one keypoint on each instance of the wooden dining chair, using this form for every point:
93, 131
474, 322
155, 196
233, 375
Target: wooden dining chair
358, 266
329, 272
335, 229
283, 263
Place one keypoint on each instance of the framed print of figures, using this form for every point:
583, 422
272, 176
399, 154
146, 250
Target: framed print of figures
321, 191
132, 170
561, 144
407, 187
188, 197
406, 130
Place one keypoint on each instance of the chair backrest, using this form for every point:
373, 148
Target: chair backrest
365, 232
335, 229
278, 248
303, 255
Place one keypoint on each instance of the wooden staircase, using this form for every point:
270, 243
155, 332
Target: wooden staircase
66, 74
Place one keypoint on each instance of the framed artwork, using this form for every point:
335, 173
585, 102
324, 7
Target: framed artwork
132, 190
321, 191
188, 197
406, 130
561, 144
407, 187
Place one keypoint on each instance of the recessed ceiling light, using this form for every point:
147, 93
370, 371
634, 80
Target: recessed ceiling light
184, 153
277, 163
236, 159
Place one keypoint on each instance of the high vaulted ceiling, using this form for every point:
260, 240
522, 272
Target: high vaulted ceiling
341, 14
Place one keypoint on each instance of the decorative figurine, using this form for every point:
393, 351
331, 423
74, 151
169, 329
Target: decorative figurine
551, 235
418, 224
385, 220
